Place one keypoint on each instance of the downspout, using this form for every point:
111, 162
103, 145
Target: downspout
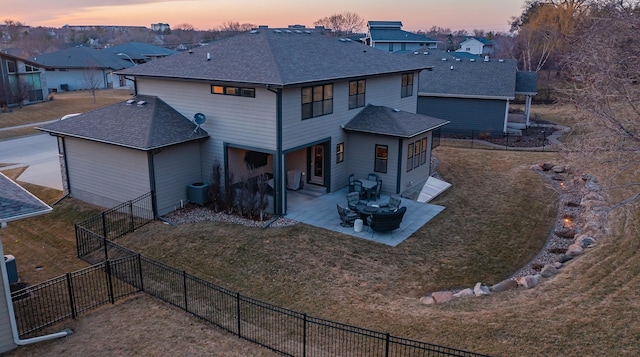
152, 181
506, 116
12, 315
527, 109
280, 199
400, 160
66, 165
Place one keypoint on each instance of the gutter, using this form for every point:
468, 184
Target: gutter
12, 315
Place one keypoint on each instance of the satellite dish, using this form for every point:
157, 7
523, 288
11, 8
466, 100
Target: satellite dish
199, 118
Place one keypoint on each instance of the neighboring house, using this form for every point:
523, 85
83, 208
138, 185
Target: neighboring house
15, 203
477, 46
82, 67
283, 104
140, 52
20, 78
472, 93
389, 36
120, 152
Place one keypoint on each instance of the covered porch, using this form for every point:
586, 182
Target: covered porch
322, 212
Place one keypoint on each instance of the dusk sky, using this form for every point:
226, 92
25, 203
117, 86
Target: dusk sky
489, 15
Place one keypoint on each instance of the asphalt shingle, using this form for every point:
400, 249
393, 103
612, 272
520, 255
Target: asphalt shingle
16, 202
151, 125
382, 120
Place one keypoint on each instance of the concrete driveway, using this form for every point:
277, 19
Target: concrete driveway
39, 153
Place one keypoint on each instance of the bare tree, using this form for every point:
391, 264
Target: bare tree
21, 90
603, 82
342, 24
92, 79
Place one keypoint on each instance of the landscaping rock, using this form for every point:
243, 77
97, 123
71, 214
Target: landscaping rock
464, 293
575, 249
546, 166
427, 300
558, 169
529, 281
548, 271
440, 297
556, 265
504, 285
480, 290
564, 258
584, 240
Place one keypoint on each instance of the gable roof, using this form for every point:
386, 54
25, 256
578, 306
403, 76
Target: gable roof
18, 203
396, 35
276, 57
374, 119
471, 78
82, 57
20, 59
141, 51
149, 126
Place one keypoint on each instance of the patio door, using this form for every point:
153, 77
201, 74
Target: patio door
316, 174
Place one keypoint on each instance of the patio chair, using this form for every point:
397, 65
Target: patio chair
386, 221
352, 180
376, 192
347, 216
353, 198
372, 177
357, 187
394, 203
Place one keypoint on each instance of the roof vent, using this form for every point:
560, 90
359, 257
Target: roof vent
208, 56
458, 60
451, 68
307, 32
141, 103
277, 31
253, 32
130, 101
501, 60
444, 59
298, 31
486, 58
425, 53
472, 60
416, 53
396, 110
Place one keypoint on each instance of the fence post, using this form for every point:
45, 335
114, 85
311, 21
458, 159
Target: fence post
133, 225
238, 312
77, 240
544, 139
72, 303
304, 335
184, 286
109, 282
104, 225
386, 348
473, 135
140, 272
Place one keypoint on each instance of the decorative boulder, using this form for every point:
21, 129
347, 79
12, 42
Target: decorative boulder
480, 290
529, 281
464, 293
440, 297
504, 285
548, 271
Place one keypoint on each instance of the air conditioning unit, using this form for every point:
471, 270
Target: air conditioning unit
12, 270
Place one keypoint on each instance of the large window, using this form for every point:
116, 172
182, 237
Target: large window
407, 85
340, 152
317, 101
356, 94
423, 157
414, 152
235, 91
12, 66
382, 156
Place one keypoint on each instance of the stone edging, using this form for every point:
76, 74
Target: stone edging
580, 223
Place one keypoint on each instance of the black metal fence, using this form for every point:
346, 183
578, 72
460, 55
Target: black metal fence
69, 295
533, 139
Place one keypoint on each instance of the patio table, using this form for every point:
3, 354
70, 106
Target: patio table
369, 186
365, 211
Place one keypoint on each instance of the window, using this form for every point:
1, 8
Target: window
340, 152
391, 47
30, 68
12, 66
356, 94
416, 154
407, 85
403, 46
423, 157
317, 101
381, 159
235, 91
410, 157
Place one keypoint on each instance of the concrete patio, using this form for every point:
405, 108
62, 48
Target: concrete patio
322, 212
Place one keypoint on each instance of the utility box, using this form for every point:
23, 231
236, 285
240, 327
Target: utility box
12, 269
198, 193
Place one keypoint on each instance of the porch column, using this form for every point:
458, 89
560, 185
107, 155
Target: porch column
527, 108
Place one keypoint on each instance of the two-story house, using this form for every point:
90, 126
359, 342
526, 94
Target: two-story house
21, 81
389, 36
476, 45
289, 103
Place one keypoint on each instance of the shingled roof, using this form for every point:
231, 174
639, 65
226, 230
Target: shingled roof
462, 77
276, 57
374, 119
140, 51
143, 123
18, 203
82, 57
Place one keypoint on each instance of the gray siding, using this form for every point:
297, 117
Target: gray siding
176, 168
75, 79
418, 175
6, 337
236, 120
360, 154
479, 115
105, 175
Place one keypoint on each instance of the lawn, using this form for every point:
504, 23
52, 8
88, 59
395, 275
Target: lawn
498, 214
62, 104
